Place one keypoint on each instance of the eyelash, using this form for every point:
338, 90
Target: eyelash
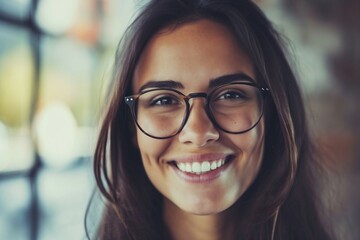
239, 95
155, 100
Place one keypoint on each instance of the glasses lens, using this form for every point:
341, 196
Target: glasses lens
236, 107
160, 112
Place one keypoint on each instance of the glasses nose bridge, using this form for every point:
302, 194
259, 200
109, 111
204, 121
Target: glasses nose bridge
196, 130
196, 95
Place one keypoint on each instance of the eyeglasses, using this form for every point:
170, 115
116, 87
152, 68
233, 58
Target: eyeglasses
162, 113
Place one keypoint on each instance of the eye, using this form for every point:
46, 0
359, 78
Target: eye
164, 100
231, 94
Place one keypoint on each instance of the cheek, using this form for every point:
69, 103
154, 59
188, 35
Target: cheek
250, 147
151, 149
250, 143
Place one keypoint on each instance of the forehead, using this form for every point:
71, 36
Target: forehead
193, 53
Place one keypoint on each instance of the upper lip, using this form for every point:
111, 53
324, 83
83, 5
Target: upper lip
200, 157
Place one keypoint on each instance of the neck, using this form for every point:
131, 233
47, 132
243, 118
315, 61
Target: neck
183, 225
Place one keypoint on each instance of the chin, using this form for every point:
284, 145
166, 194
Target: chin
205, 212
205, 207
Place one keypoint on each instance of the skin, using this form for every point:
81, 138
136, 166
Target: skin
193, 54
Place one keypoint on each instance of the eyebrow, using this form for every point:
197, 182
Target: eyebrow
161, 84
218, 81
226, 79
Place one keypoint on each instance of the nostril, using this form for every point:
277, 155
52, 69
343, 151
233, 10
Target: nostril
198, 135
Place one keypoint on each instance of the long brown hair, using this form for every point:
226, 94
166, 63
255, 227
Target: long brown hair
281, 203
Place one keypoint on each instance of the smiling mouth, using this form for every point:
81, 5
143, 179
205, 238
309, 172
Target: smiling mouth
202, 167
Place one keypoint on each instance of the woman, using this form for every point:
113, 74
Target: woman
205, 134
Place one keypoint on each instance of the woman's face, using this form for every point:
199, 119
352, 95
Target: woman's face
192, 55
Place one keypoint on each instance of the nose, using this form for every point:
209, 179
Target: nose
199, 129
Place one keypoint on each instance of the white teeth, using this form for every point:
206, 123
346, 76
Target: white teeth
205, 166
200, 167
188, 167
182, 166
196, 167
213, 165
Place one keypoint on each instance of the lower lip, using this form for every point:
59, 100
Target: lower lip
201, 178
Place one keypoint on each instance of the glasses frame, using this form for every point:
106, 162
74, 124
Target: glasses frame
132, 99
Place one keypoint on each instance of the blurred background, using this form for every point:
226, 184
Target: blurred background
55, 60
